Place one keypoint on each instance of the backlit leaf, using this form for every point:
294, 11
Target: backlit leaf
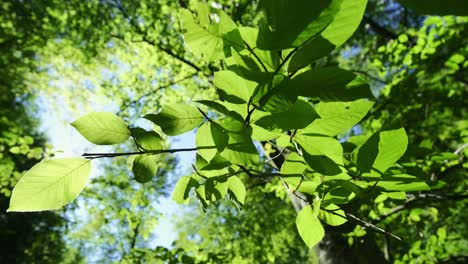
176, 119
102, 128
337, 117
181, 192
381, 151
147, 140
210, 33
290, 23
309, 226
144, 168
323, 154
50, 185
237, 188
340, 29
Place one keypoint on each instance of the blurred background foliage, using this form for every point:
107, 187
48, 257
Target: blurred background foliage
70, 56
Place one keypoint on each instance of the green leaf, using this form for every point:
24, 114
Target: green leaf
294, 165
339, 195
225, 108
182, 189
50, 185
211, 138
177, 119
210, 33
233, 88
240, 149
275, 95
147, 140
216, 163
15, 150
270, 59
261, 134
144, 168
216, 188
340, 29
437, 7
299, 116
293, 170
381, 151
309, 226
323, 154
290, 23
403, 183
337, 118
237, 188
333, 215
331, 84
102, 128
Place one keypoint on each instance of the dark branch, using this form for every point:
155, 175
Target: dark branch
387, 34
132, 102
420, 197
152, 152
364, 223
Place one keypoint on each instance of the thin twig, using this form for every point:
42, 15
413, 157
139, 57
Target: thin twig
125, 106
423, 196
460, 149
256, 56
365, 224
151, 152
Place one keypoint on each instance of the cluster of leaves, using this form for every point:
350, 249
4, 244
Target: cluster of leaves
269, 95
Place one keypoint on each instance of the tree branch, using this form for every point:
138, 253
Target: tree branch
132, 102
423, 196
364, 223
169, 52
151, 152
385, 33
370, 76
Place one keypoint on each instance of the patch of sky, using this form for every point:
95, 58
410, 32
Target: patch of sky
351, 52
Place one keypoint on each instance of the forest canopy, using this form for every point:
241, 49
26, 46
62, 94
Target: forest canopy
330, 131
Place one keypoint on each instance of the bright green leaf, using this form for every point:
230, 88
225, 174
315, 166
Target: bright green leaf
340, 29
102, 128
233, 88
381, 151
333, 215
210, 38
323, 154
299, 116
177, 119
275, 95
290, 23
261, 134
147, 140
331, 84
339, 195
269, 59
182, 189
211, 138
309, 226
403, 183
237, 188
50, 185
228, 109
240, 149
337, 117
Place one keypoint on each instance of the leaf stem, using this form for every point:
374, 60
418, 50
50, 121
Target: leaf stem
256, 56
285, 60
